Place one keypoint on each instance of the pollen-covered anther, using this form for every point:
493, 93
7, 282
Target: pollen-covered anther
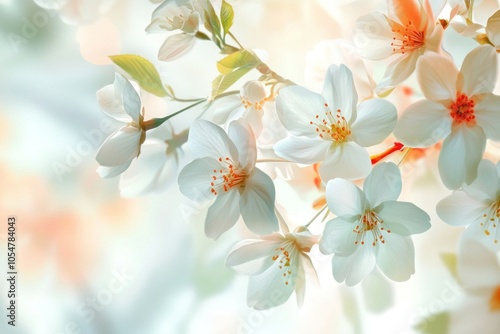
406, 37
462, 109
284, 258
491, 221
332, 127
370, 222
229, 177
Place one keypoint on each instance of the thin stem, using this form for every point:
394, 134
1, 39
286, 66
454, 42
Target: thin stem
316, 216
156, 122
404, 156
235, 39
175, 98
272, 160
327, 212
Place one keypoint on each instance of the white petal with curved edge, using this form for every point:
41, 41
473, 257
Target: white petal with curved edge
355, 267
257, 204
195, 178
111, 103
254, 91
460, 155
222, 214
479, 70
224, 107
383, 184
477, 265
120, 148
339, 91
458, 209
176, 46
252, 257
243, 138
397, 72
109, 172
303, 150
131, 101
339, 237
485, 186
435, 85
403, 218
375, 121
487, 112
347, 160
209, 140
344, 198
423, 124
269, 289
493, 29
297, 107
373, 36
396, 257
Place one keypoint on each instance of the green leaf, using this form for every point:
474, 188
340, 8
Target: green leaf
226, 16
235, 60
450, 261
434, 324
212, 22
224, 81
142, 71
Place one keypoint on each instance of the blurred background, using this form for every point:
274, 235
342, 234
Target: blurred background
91, 261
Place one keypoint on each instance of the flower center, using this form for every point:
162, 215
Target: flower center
332, 127
406, 37
283, 256
495, 300
462, 110
228, 177
491, 218
370, 223
249, 104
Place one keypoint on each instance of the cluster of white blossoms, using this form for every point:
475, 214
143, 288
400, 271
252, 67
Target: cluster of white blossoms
233, 164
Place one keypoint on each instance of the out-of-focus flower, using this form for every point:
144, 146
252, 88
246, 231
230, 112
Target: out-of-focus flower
338, 52
158, 165
277, 265
477, 205
330, 128
120, 101
478, 272
225, 170
250, 105
406, 32
460, 107
77, 11
171, 16
493, 29
371, 227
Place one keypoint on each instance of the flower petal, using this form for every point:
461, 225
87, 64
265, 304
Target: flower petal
338, 237
423, 124
347, 160
109, 172
110, 100
403, 218
383, 184
397, 72
493, 28
404, 11
120, 148
373, 36
297, 107
209, 140
257, 204
176, 46
303, 150
344, 198
487, 114
459, 209
339, 91
479, 71
396, 257
252, 257
131, 101
460, 155
375, 121
477, 265
195, 178
222, 214
355, 267
485, 186
243, 138
435, 85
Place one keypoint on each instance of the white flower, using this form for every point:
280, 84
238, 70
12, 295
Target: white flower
277, 265
330, 128
478, 270
460, 107
371, 227
477, 205
249, 106
120, 101
493, 29
225, 171
406, 33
